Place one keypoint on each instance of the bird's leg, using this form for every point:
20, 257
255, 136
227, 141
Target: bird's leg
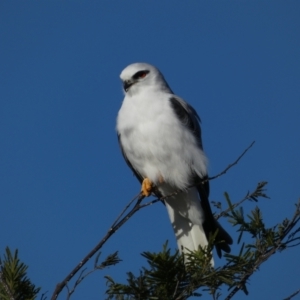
147, 187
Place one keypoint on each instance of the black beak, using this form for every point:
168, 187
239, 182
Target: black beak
127, 84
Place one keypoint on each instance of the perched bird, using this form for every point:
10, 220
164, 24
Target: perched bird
160, 138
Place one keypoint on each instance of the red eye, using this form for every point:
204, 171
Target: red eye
140, 74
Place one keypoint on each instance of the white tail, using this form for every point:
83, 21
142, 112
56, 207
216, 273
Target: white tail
186, 216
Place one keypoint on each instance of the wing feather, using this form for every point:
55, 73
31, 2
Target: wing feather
189, 118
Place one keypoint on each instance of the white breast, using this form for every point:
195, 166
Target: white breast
155, 141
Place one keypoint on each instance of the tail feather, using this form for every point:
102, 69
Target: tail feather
189, 235
193, 222
211, 225
222, 239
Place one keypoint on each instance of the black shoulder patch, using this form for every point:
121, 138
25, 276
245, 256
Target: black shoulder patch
179, 110
189, 119
181, 113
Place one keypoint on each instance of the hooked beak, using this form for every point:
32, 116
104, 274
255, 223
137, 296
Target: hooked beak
127, 84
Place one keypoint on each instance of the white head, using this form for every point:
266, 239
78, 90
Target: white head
141, 75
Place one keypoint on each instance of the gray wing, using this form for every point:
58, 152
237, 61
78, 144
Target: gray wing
189, 118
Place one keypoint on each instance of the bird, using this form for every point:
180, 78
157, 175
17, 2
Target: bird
160, 138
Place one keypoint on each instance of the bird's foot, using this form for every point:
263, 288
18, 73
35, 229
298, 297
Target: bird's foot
147, 187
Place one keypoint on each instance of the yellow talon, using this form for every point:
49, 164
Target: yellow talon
146, 187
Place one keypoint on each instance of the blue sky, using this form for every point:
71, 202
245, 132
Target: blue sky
63, 180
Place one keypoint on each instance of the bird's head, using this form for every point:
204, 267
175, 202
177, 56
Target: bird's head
141, 75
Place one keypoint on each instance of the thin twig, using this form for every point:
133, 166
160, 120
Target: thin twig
234, 163
176, 288
79, 279
123, 211
247, 197
68, 289
293, 295
207, 179
266, 255
210, 178
118, 223
43, 296
110, 232
150, 203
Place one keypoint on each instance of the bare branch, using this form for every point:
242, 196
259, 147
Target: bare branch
43, 296
80, 278
211, 178
111, 231
293, 295
233, 164
123, 211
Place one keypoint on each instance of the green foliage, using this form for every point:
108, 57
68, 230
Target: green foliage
110, 260
173, 276
14, 284
168, 277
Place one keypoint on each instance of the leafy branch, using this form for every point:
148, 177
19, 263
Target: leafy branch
116, 225
121, 220
253, 196
110, 260
171, 276
267, 240
14, 284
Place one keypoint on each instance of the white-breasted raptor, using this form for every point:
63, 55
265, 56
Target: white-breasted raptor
160, 137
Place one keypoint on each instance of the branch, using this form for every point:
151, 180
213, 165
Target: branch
80, 278
116, 225
292, 296
110, 260
43, 296
233, 164
258, 192
267, 253
5, 286
248, 196
211, 178
119, 222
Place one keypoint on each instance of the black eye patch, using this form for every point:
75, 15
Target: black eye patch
140, 74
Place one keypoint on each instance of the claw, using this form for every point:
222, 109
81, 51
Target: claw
146, 187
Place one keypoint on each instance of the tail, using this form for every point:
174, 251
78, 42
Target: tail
193, 222
211, 225
186, 216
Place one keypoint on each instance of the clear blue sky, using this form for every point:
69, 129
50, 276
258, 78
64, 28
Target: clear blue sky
63, 180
